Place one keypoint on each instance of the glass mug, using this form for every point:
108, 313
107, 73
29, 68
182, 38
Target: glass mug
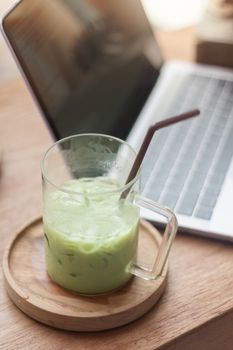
91, 216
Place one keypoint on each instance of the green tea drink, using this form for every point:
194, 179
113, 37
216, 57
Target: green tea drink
91, 237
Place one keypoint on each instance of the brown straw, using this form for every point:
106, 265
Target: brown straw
146, 142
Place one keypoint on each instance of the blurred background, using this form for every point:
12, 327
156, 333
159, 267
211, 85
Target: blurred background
200, 30
8, 69
161, 15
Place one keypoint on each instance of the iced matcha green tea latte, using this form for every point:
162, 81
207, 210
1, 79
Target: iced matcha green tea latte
90, 240
91, 216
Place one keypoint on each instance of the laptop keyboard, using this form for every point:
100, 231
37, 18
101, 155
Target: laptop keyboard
186, 163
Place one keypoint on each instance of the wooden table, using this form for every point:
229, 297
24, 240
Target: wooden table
196, 311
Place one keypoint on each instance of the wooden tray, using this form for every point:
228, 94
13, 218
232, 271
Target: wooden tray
31, 289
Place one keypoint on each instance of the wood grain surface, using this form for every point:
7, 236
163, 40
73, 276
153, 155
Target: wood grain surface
31, 289
196, 310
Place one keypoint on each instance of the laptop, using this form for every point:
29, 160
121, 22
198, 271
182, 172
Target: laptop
95, 66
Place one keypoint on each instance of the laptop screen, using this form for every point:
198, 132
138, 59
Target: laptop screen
90, 63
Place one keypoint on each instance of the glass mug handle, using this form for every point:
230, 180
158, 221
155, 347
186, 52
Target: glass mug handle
168, 236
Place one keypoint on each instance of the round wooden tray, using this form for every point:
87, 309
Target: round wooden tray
31, 289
